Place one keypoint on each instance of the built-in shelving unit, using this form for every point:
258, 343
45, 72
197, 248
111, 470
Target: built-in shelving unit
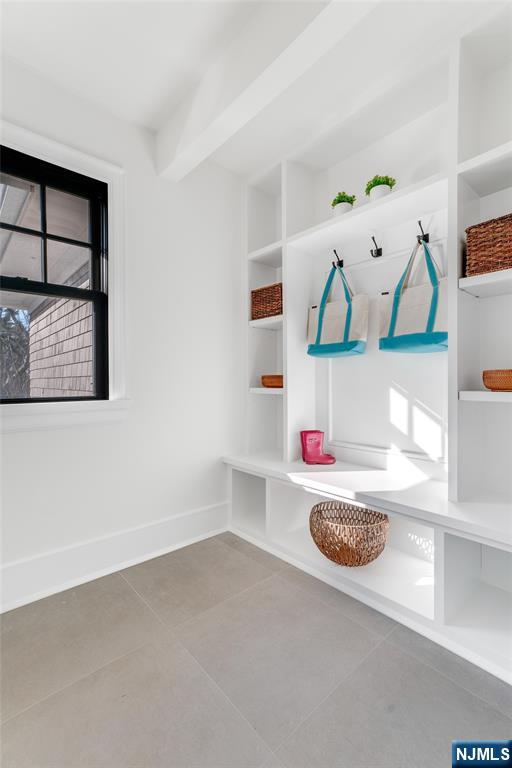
416, 436
264, 266
447, 567
481, 435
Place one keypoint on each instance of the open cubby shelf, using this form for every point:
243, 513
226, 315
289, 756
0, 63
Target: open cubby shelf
416, 436
488, 284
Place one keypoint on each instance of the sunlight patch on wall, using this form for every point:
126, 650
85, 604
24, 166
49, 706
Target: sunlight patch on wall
404, 467
399, 410
427, 431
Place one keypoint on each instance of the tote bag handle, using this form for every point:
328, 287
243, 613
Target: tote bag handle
348, 298
434, 274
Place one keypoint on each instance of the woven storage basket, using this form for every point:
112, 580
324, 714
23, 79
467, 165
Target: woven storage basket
274, 380
499, 380
267, 301
489, 246
346, 534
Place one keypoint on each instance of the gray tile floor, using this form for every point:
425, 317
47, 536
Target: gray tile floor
222, 656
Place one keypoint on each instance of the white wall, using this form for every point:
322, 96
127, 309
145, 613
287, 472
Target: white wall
413, 152
64, 487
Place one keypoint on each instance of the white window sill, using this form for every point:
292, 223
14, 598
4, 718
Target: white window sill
27, 417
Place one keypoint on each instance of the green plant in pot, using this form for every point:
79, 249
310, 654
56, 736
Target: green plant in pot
342, 203
379, 186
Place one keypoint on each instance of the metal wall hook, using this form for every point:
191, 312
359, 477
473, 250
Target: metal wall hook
375, 252
424, 237
338, 262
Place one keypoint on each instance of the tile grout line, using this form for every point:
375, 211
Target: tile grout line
165, 626
386, 636
223, 602
299, 588
253, 559
495, 707
379, 638
172, 628
226, 697
78, 680
328, 695
102, 666
335, 607
144, 601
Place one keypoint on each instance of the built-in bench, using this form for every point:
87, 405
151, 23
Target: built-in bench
447, 568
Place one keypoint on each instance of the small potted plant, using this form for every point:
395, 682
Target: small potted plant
380, 186
342, 202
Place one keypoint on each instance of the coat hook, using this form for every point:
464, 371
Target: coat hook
375, 252
338, 262
424, 237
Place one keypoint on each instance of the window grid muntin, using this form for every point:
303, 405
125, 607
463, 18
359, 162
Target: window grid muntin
58, 178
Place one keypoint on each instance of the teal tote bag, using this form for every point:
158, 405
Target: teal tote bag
338, 328
414, 318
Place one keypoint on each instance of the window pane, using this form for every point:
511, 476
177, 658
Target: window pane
20, 255
46, 346
67, 215
20, 202
68, 264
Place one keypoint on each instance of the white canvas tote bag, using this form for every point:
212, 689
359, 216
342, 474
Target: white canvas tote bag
338, 328
415, 318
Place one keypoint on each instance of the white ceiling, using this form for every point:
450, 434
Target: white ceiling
141, 60
136, 59
330, 94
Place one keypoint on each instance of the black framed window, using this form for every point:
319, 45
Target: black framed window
53, 282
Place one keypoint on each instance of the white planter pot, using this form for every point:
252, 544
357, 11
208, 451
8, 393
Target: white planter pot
381, 190
341, 208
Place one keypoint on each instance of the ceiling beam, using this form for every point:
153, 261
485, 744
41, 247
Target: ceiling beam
199, 128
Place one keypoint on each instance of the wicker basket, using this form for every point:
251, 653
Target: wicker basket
499, 380
274, 380
267, 301
346, 534
489, 246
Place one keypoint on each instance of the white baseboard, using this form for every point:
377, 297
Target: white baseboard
33, 578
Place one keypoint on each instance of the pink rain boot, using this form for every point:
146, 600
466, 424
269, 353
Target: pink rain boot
312, 441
